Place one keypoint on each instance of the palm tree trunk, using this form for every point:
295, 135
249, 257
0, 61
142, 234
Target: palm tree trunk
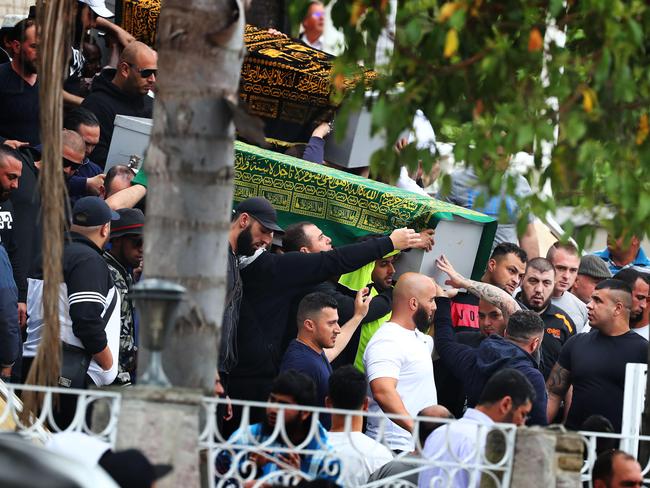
190, 172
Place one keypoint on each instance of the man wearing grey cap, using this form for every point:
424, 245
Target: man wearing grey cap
592, 270
89, 305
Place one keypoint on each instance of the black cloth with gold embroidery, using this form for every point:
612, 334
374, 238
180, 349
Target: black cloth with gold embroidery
286, 83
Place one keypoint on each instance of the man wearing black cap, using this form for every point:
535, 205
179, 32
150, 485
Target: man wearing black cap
124, 256
270, 282
89, 302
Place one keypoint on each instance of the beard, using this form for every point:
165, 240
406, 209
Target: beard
29, 67
245, 243
635, 317
536, 308
422, 320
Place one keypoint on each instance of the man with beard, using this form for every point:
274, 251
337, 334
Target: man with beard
536, 292
19, 106
252, 227
271, 283
290, 388
11, 169
504, 270
398, 362
594, 364
566, 261
517, 348
122, 258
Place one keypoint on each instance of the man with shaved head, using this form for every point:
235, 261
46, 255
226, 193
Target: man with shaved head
398, 361
125, 94
594, 363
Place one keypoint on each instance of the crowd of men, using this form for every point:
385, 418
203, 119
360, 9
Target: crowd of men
306, 323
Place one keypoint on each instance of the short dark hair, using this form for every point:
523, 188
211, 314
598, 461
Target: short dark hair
297, 385
629, 276
540, 264
507, 382
17, 33
616, 285
312, 304
8, 152
603, 466
347, 388
294, 236
505, 248
114, 172
557, 245
78, 116
524, 325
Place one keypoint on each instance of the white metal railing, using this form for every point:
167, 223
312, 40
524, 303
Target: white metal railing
252, 456
41, 425
614, 441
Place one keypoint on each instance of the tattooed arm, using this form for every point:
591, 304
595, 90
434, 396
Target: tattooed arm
557, 384
490, 293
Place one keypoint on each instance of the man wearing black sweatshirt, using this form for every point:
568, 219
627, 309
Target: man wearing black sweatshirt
124, 94
270, 283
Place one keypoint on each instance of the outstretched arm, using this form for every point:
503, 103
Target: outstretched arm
490, 293
361, 304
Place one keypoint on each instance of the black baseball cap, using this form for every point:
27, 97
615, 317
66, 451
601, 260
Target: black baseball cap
261, 210
131, 223
132, 469
92, 211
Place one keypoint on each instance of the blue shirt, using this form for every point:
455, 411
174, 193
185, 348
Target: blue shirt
317, 459
302, 358
77, 183
641, 260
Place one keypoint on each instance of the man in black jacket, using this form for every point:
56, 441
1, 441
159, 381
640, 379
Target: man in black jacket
89, 302
124, 94
270, 283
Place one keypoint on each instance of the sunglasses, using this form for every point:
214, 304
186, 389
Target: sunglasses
318, 15
144, 73
71, 164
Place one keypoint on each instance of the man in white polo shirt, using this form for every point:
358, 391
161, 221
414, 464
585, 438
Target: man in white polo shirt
398, 362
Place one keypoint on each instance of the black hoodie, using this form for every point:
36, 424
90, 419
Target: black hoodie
474, 366
106, 101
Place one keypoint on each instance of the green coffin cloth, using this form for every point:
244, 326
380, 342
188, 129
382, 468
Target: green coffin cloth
343, 205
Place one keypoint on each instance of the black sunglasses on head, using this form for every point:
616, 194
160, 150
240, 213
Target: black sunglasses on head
144, 73
70, 164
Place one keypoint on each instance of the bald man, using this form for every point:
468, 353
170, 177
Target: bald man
123, 91
398, 362
74, 149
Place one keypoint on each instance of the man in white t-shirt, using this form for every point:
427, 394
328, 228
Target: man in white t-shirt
566, 261
398, 362
360, 454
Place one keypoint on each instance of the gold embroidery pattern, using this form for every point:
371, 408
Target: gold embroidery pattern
348, 205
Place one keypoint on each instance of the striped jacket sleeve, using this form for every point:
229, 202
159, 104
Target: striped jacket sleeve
88, 283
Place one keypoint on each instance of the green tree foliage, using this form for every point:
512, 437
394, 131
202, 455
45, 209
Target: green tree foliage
475, 69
